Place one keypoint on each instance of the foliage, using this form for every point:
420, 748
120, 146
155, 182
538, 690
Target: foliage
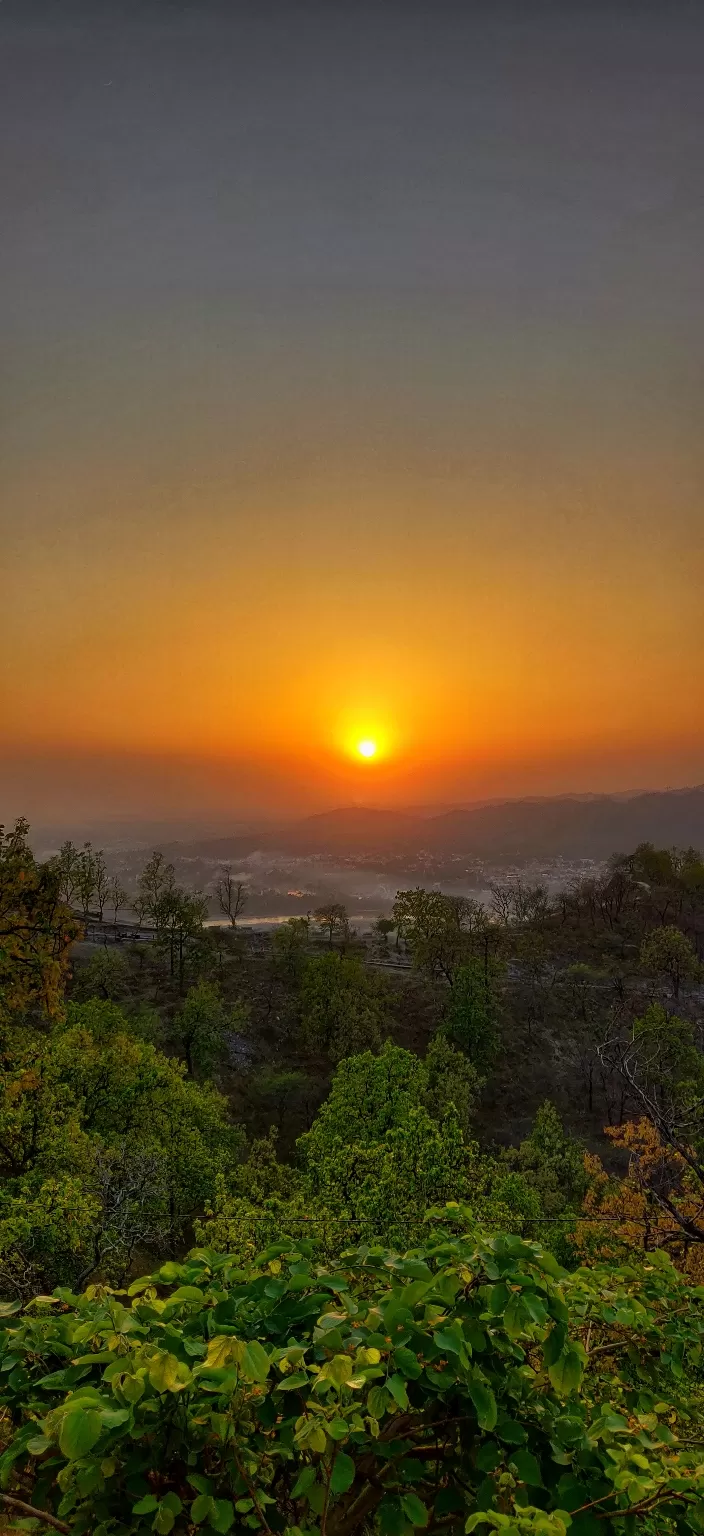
36, 929
554, 1162
440, 931
344, 1007
668, 952
105, 1149
105, 975
389, 1142
202, 1024
472, 1013
657, 1205
468, 1385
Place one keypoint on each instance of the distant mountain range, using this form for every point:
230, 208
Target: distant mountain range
590, 826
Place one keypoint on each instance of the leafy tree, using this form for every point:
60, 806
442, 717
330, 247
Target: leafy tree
232, 896
554, 1163
85, 875
620, 1215
668, 952
105, 974
344, 1006
472, 1385
289, 945
440, 931
332, 918
36, 929
202, 1024
155, 885
472, 1014
94, 1115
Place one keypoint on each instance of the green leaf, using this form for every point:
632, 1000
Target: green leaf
164, 1520
566, 1373
145, 1506
290, 1383
255, 1362
378, 1402
338, 1429
485, 1404
167, 1374
489, 1456
79, 1431
515, 1316
554, 1344
414, 1508
201, 1508
397, 1387
392, 1521
527, 1468
304, 1481
407, 1363
38, 1445
223, 1516
343, 1472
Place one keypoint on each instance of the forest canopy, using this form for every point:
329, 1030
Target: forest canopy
279, 1248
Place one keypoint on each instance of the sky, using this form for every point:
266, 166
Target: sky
350, 388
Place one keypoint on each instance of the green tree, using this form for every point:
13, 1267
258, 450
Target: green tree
106, 974
202, 1024
36, 929
669, 953
344, 1006
472, 1013
440, 931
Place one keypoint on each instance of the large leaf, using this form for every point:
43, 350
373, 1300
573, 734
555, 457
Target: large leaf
343, 1472
414, 1508
485, 1404
80, 1429
566, 1373
255, 1362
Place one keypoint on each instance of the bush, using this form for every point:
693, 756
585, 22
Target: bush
471, 1385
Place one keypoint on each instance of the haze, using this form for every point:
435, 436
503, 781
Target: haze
351, 388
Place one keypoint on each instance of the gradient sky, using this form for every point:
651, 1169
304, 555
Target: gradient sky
350, 385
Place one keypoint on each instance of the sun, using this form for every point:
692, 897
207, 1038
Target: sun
366, 748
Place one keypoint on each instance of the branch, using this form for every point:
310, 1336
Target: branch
37, 1514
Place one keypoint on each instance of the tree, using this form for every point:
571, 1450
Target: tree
105, 1146
382, 928
554, 1163
86, 870
472, 1013
179, 919
36, 928
105, 974
117, 897
332, 918
440, 931
65, 864
289, 945
344, 1006
662, 1068
668, 952
202, 1024
155, 885
101, 882
232, 896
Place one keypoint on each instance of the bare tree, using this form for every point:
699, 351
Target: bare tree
232, 896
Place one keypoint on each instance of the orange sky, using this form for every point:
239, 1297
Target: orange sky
291, 460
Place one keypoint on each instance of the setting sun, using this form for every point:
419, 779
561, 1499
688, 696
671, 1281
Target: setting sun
366, 748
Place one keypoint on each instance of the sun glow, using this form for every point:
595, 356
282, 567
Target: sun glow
366, 748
